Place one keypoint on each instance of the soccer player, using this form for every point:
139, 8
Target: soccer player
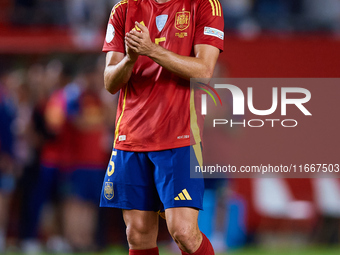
153, 49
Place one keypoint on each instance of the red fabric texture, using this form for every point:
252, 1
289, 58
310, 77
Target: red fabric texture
153, 251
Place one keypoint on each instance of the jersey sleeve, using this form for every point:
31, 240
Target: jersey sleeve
114, 39
210, 24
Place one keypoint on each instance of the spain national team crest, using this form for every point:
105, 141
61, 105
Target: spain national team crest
160, 21
108, 190
182, 20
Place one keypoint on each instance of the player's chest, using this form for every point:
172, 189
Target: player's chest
173, 28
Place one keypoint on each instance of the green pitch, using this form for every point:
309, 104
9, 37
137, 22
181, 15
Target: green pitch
246, 251
259, 251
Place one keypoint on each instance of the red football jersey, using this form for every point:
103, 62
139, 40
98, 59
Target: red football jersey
154, 107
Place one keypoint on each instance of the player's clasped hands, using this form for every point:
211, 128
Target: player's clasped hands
139, 42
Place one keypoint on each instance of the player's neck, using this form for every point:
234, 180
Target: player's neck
162, 1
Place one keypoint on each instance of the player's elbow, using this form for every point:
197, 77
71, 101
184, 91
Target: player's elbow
209, 73
110, 88
109, 84
206, 73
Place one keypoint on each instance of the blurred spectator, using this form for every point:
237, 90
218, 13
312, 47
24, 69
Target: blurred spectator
7, 174
68, 134
86, 14
24, 11
273, 15
39, 12
322, 14
238, 17
82, 182
51, 124
327, 198
86, 20
235, 12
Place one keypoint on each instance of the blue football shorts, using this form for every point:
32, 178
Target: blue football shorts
151, 181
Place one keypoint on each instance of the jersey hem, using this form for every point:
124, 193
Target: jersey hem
147, 210
181, 206
153, 148
128, 208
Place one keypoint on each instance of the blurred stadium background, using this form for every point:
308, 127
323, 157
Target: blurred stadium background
57, 122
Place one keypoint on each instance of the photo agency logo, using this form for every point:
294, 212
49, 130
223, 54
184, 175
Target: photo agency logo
241, 102
206, 88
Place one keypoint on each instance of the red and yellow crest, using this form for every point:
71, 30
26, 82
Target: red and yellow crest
182, 20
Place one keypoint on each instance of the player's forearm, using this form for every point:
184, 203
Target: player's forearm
183, 66
116, 76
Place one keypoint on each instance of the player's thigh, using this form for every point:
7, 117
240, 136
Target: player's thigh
174, 184
181, 216
129, 183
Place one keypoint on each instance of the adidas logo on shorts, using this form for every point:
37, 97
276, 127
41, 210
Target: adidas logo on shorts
184, 195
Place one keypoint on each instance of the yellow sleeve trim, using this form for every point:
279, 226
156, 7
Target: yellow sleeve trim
116, 6
216, 8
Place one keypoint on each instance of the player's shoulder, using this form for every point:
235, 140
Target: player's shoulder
119, 7
213, 6
211, 2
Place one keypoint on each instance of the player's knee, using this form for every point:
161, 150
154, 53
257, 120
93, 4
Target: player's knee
133, 236
138, 236
184, 236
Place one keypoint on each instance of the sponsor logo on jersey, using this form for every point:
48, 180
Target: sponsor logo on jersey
214, 32
108, 190
184, 195
181, 35
110, 33
182, 20
160, 21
